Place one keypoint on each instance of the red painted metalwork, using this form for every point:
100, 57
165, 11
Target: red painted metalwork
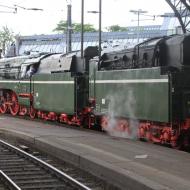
39, 114
3, 106
122, 125
25, 95
161, 133
32, 112
23, 111
186, 124
51, 116
13, 104
75, 120
115, 125
63, 118
91, 120
44, 116
86, 110
92, 102
87, 118
104, 121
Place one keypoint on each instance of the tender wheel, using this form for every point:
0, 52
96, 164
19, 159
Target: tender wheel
14, 106
32, 112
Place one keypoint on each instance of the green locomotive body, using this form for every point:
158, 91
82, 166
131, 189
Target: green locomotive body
49, 83
54, 93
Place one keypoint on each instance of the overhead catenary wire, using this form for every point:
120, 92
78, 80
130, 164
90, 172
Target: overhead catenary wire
7, 12
8, 7
32, 9
15, 8
5, 6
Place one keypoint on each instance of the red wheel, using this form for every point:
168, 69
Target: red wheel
14, 106
32, 112
23, 111
3, 106
104, 122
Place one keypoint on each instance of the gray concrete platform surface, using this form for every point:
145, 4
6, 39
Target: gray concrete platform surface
132, 165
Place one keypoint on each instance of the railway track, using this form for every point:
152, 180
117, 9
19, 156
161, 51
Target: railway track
6, 183
20, 170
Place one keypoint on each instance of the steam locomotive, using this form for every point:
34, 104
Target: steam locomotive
142, 92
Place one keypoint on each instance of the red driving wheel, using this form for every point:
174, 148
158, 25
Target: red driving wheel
3, 106
14, 105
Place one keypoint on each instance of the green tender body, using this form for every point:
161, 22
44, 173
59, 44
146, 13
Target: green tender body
136, 93
54, 93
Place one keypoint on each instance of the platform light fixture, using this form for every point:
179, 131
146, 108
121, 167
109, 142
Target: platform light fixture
69, 27
15, 8
100, 27
82, 27
138, 13
27, 9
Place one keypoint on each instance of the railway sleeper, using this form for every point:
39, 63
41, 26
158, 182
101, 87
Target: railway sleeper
18, 161
25, 173
31, 177
15, 166
21, 169
36, 181
47, 187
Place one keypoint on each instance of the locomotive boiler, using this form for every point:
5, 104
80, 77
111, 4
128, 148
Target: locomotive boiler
142, 91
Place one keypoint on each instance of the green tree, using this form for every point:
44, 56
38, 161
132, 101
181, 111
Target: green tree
116, 28
76, 27
6, 38
61, 26
87, 28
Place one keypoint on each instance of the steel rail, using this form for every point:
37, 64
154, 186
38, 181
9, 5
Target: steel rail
44, 165
7, 181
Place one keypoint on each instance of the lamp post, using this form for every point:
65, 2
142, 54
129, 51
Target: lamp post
69, 28
138, 13
82, 27
100, 28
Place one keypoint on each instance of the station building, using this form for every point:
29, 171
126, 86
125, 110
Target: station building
56, 43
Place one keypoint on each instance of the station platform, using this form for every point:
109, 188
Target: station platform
130, 164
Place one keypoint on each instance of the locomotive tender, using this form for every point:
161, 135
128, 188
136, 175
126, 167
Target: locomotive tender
149, 83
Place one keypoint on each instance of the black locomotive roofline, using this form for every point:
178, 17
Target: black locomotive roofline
156, 52
11, 68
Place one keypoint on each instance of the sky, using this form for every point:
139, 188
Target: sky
26, 22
